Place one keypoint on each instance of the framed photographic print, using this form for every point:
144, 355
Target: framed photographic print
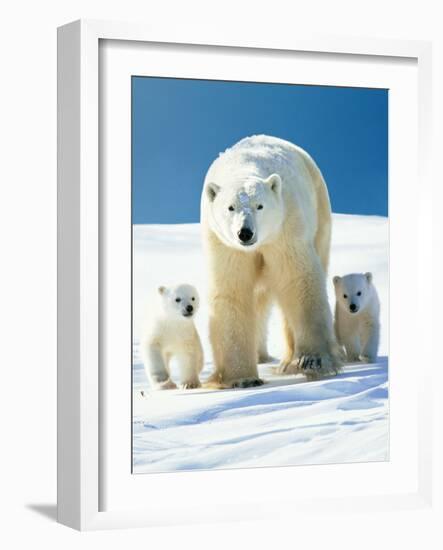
232, 276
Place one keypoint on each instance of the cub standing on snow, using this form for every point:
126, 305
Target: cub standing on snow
171, 333
357, 312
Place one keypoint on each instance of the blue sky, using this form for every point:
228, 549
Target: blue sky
180, 126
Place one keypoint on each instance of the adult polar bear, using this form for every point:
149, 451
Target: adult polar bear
266, 222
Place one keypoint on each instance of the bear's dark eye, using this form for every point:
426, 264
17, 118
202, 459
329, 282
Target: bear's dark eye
231, 209
359, 293
178, 299
193, 298
345, 296
259, 207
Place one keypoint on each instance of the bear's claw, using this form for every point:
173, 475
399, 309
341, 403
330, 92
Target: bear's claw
312, 366
247, 383
191, 385
308, 362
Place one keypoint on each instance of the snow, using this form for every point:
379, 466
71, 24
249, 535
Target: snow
288, 421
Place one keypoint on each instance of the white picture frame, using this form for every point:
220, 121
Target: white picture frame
80, 395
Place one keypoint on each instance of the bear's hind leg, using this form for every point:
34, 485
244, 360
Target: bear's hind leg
288, 354
262, 311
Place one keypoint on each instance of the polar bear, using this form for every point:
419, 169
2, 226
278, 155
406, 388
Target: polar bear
170, 333
357, 314
266, 223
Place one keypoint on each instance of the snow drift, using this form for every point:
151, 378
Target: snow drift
288, 421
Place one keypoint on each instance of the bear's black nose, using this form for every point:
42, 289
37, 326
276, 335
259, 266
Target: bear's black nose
353, 307
189, 309
245, 234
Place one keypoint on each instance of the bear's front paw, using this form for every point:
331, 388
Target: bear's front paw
191, 385
315, 366
311, 366
306, 364
247, 383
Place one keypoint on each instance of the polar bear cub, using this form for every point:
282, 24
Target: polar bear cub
170, 333
357, 312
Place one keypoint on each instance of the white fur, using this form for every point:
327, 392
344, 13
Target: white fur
170, 333
357, 331
245, 202
275, 190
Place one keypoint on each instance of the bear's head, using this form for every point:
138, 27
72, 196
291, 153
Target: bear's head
180, 301
353, 291
246, 214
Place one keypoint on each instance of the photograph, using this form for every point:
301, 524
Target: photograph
260, 274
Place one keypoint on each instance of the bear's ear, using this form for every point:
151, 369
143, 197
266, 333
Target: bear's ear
336, 279
274, 182
212, 190
368, 277
161, 290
